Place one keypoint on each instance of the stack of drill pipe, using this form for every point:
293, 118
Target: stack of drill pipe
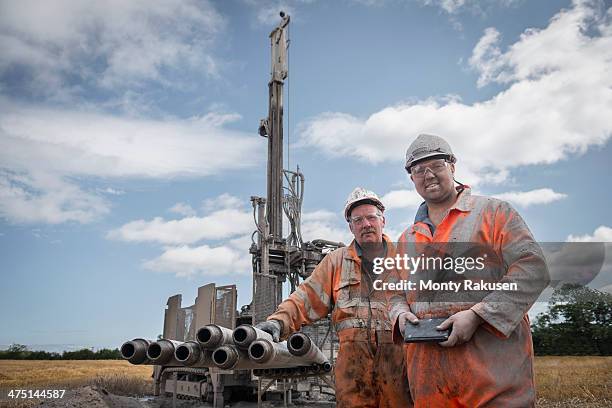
191, 354
135, 351
268, 354
213, 336
161, 352
300, 345
230, 357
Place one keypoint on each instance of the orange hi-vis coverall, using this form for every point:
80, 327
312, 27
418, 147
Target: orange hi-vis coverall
370, 369
495, 367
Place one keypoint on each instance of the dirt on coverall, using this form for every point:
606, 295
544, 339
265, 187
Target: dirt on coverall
370, 369
495, 367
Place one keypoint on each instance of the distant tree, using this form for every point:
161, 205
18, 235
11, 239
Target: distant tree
578, 322
14, 352
21, 352
108, 354
82, 354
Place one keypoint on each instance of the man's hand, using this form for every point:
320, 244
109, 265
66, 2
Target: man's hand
464, 324
272, 327
406, 317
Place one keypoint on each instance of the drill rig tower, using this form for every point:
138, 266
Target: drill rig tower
275, 258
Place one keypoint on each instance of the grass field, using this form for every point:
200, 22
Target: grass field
584, 380
577, 381
117, 376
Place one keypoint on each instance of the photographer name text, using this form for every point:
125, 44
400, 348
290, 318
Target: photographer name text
465, 285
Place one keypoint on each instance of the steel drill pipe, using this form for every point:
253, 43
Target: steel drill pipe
135, 351
230, 357
245, 334
300, 345
213, 336
161, 352
272, 355
190, 354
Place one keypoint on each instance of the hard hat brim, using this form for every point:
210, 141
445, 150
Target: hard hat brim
373, 202
430, 156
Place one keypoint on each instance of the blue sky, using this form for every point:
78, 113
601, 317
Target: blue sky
128, 144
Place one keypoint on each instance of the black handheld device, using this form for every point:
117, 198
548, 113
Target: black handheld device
425, 331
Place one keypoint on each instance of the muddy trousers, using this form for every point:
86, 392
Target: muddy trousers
371, 377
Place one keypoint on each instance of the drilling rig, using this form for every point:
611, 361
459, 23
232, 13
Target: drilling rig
276, 260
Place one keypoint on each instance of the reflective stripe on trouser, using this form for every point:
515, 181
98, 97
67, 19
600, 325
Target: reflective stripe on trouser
367, 378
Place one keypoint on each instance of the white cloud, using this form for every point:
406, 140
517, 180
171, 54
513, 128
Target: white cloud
218, 225
402, 199
320, 215
225, 200
182, 209
450, 6
186, 261
601, 234
323, 224
111, 191
95, 42
67, 145
227, 222
557, 104
487, 57
45, 198
533, 197
98, 144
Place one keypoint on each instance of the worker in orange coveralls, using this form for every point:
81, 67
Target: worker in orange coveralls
369, 369
487, 360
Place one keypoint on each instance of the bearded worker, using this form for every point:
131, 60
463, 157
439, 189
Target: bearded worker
487, 359
370, 369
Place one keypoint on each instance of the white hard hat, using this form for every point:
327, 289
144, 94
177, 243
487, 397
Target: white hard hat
428, 146
361, 196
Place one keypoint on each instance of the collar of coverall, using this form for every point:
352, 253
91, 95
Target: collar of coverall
464, 203
354, 252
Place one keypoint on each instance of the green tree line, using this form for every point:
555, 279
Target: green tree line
578, 322
21, 352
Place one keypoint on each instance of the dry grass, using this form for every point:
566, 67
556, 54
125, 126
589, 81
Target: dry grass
116, 376
561, 381
574, 381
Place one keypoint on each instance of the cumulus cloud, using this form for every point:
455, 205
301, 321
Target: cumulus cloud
186, 261
66, 145
556, 104
533, 197
217, 225
228, 257
98, 144
601, 234
323, 224
183, 252
225, 200
182, 209
69, 43
402, 199
40, 197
